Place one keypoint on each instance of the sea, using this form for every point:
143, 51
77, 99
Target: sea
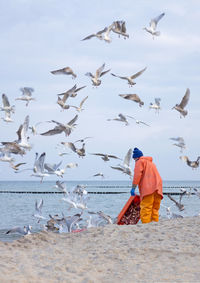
18, 198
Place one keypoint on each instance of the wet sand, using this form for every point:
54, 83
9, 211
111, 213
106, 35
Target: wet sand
168, 251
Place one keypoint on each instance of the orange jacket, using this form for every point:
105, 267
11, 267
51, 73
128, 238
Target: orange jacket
146, 176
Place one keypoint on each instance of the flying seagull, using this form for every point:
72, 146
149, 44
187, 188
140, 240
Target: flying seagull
125, 167
130, 78
105, 157
119, 27
193, 164
153, 25
180, 142
155, 105
72, 92
26, 95
99, 73
6, 105
133, 97
180, 107
64, 71
66, 128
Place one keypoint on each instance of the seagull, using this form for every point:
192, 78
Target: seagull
170, 214
76, 201
53, 169
100, 174
153, 24
66, 223
155, 105
80, 152
7, 117
65, 71
125, 167
22, 134
61, 186
6, 105
180, 107
38, 209
26, 94
33, 128
131, 78
105, 157
26, 230
119, 27
95, 78
12, 147
122, 118
38, 167
97, 35
66, 128
82, 140
6, 157
197, 192
193, 164
16, 166
72, 92
178, 204
140, 122
106, 37
181, 142
133, 97
61, 102
105, 217
79, 108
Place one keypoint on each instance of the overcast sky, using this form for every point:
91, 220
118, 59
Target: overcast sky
40, 36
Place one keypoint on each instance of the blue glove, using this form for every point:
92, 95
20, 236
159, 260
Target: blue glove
132, 191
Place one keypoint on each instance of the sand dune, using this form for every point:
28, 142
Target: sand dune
168, 251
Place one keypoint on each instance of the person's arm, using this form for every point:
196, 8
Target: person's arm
137, 176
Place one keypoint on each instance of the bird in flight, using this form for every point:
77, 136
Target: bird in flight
153, 25
130, 78
99, 73
133, 97
180, 107
65, 71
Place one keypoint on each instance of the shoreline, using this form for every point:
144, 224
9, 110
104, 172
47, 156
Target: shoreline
167, 251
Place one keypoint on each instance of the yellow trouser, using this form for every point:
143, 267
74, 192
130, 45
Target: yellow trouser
149, 208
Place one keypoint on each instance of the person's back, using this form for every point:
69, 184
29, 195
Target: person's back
148, 179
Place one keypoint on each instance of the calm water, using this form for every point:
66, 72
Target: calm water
17, 209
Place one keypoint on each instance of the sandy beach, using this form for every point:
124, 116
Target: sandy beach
167, 251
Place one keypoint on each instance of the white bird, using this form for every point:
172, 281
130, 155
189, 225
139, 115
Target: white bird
38, 209
119, 27
122, 118
79, 108
100, 174
22, 134
6, 105
72, 92
98, 35
7, 117
26, 230
130, 78
139, 122
61, 186
6, 157
26, 95
155, 105
53, 169
99, 73
65, 71
180, 142
153, 25
38, 168
133, 97
105, 156
125, 167
79, 151
180, 107
66, 128
193, 164
178, 203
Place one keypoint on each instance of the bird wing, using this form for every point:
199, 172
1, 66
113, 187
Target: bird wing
80, 88
128, 157
19, 132
154, 21
84, 99
99, 71
185, 99
124, 78
144, 123
28, 91
89, 36
5, 100
138, 73
98, 154
89, 75
49, 167
103, 73
65, 97
39, 164
113, 156
70, 123
71, 146
117, 168
25, 128
55, 131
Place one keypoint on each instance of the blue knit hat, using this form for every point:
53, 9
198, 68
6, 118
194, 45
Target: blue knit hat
137, 153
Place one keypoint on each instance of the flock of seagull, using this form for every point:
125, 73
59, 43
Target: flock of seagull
40, 168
